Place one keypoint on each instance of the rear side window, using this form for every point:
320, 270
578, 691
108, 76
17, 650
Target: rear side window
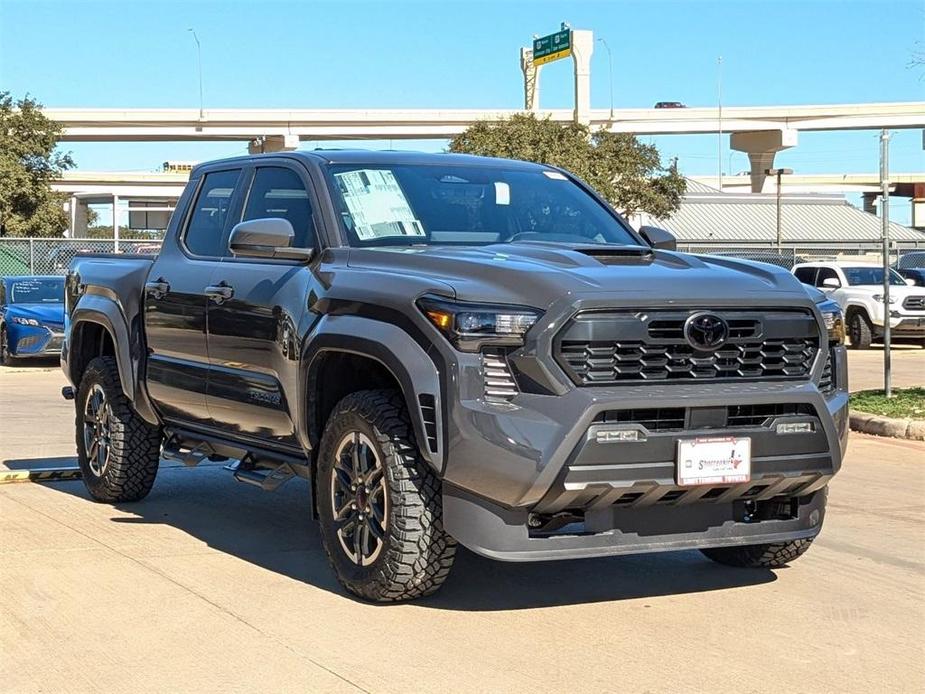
210, 212
806, 275
279, 192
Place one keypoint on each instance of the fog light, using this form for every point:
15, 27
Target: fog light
618, 435
795, 428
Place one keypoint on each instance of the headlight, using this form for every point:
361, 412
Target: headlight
25, 321
834, 321
469, 326
879, 298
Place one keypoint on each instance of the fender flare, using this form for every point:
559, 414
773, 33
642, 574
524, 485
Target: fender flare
399, 353
103, 311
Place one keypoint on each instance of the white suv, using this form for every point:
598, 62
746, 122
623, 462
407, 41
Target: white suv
858, 289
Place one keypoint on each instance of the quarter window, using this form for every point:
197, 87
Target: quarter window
805, 274
279, 192
204, 232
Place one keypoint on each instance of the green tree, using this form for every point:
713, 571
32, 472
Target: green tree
627, 173
29, 161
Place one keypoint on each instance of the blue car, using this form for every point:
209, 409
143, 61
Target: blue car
31, 317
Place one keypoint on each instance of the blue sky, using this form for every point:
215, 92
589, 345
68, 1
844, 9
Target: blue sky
313, 54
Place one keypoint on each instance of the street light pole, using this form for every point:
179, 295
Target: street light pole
719, 107
199, 59
885, 221
610, 71
779, 173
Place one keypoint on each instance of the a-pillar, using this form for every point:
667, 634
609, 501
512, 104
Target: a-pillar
273, 143
531, 80
582, 49
761, 146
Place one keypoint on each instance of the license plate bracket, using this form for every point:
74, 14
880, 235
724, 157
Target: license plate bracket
708, 460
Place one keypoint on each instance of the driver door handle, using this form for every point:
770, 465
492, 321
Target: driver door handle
158, 288
219, 293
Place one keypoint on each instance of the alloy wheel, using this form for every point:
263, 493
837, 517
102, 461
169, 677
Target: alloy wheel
359, 498
97, 430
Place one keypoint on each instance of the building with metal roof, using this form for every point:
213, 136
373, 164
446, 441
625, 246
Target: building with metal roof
708, 215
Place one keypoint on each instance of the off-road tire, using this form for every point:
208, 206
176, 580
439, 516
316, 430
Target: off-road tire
416, 553
860, 330
135, 445
759, 556
6, 359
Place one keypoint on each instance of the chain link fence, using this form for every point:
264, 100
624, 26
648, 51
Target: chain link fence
52, 256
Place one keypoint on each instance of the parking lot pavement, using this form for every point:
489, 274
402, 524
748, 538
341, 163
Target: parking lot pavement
210, 585
865, 367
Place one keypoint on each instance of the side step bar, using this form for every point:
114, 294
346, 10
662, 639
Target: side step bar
267, 480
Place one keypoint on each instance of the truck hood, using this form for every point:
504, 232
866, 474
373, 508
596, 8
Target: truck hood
539, 274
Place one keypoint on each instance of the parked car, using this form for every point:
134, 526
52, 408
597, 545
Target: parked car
669, 104
916, 274
910, 259
460, 349
31, 317
858, 289
784, 260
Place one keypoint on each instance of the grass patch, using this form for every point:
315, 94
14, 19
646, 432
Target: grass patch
906, 402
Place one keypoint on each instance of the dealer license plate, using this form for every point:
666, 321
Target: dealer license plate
714, 460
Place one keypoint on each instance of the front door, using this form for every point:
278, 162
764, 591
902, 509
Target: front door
253, 333
176, 303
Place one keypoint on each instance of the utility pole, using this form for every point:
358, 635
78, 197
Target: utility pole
719, 107
885, 221
199, 59
779, 173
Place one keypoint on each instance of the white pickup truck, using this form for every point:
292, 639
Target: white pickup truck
858, 289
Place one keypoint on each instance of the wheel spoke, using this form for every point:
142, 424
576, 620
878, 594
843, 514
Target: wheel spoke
374, 478
346, 511
355, 456
376, 528
359, 535
343, 477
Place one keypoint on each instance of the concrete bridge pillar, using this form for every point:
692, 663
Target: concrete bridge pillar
582, 48
273, 143
761, 146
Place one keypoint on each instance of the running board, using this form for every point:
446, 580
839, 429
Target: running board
267, 480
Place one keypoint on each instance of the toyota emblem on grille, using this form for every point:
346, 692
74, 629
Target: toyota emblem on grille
706, 332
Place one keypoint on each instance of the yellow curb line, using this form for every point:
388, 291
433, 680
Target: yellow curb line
46, 474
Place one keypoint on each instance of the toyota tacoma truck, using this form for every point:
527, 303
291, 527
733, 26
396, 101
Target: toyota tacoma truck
459, 350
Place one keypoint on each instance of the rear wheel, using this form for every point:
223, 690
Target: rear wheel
860, 330
771, 556
118, 452
380, 505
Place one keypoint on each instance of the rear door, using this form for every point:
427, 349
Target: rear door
254, 340
176, 301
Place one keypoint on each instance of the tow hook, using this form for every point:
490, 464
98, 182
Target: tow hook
68, 393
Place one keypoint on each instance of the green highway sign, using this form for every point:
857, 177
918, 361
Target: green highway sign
552, 47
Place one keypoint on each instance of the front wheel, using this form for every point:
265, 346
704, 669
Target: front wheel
6, 359
380, 505
771, 556
118, 452
860, 330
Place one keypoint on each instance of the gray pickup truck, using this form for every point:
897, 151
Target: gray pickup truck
456, 349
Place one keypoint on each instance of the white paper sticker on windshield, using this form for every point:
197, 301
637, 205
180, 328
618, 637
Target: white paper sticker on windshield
377, 204
502, 193
554, 174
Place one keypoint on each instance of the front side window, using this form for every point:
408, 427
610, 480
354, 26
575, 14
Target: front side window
210, 212
871, 275
468, 206
37, 291
279, 192
826, 273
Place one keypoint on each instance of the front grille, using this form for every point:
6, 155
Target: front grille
610, 347
663, 419
499, 383
827, 380
915, 303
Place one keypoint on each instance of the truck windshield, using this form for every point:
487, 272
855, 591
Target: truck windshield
468, 206
37, 291
870, 275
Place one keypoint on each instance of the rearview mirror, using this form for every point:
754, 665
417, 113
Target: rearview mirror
659, 238
270, 237
831, 283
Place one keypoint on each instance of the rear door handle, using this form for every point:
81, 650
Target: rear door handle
219, 293
158, 288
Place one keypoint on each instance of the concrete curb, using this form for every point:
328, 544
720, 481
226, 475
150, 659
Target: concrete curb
887, 426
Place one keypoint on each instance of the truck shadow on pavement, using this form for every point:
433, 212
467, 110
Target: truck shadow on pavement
276, 532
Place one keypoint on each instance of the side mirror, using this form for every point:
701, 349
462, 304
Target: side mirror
831, 283
659, 238
270, 237
910, 282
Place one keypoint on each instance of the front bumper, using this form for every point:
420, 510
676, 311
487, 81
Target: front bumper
906, 326
513, 468
35, 341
